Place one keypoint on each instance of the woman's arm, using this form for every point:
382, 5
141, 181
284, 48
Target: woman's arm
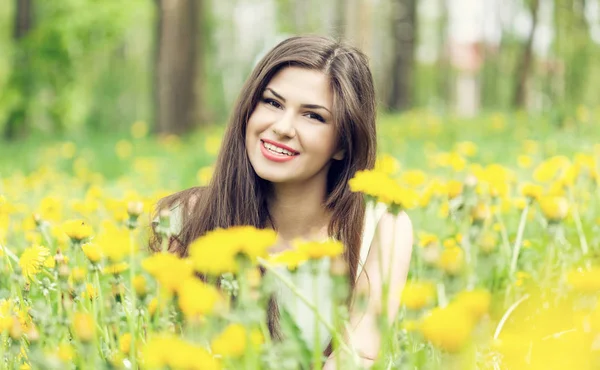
393, 242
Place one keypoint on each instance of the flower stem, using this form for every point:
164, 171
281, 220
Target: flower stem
133, 299
507, 315
518, 241
577, 219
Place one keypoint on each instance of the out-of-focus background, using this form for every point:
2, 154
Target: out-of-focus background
88, 65
113, 88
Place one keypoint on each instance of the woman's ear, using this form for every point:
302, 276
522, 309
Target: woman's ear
339, 155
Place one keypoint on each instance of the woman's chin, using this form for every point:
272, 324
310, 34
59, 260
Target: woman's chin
274, 177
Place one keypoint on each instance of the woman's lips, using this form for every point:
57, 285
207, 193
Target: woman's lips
275, 157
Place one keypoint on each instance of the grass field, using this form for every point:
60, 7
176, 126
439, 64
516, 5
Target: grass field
505, 271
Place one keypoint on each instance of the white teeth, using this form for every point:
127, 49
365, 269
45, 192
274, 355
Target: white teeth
277, 149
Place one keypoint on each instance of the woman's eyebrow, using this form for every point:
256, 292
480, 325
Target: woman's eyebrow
309, 106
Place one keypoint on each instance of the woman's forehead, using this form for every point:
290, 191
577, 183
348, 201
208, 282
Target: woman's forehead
302, 86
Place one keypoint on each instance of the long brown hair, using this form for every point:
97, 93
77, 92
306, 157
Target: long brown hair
237, 196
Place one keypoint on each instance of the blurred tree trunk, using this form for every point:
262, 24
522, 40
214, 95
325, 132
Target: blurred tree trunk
526, 61
17, 123
443, 61
175, 65
404, 27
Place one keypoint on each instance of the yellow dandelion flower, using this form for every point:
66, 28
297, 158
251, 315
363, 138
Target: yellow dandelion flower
554, 208
32, 260
78, 274
114, 243
92, 252
475, 302
231, 342
379, 186
65, 352
427, 239
549, 169
387, 164
289, 258
90, 291
83, 326
77, 230
215, 252
6, 319
586, 281
168, 269
454, 188
447, 328
315, 250
418, 294
413, 178
452, 260
167, 350
115, 268
140, 285
521, 277
212, 144
532, 191
125, 343
196, 298
50, 262
204, 175
139, 129
466, 148
524, 161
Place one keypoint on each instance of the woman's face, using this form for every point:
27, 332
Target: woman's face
290, 135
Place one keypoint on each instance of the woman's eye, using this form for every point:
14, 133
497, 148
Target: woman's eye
271, 102
315, 116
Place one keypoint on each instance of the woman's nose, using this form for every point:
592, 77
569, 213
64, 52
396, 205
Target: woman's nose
284, 126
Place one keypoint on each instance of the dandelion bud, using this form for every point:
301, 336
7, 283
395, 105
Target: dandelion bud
78, 274
37, 219
480, 212
487, 242
152, 306
135, 209
471, 181
83, 326
430, 254
16, 329
59, 258
139, 285
338, 267
118, 291
64, 271
253, 277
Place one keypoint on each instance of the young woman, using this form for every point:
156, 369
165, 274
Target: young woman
303, 125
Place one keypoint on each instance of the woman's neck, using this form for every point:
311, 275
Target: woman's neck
298, 212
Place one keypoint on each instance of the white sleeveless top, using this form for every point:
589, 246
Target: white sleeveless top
303, 316
303, 280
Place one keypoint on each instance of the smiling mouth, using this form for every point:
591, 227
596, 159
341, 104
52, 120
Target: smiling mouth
274, 149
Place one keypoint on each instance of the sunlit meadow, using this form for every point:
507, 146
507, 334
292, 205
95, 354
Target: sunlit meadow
505, 271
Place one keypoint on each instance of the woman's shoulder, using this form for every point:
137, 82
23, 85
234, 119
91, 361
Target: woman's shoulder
179, 204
